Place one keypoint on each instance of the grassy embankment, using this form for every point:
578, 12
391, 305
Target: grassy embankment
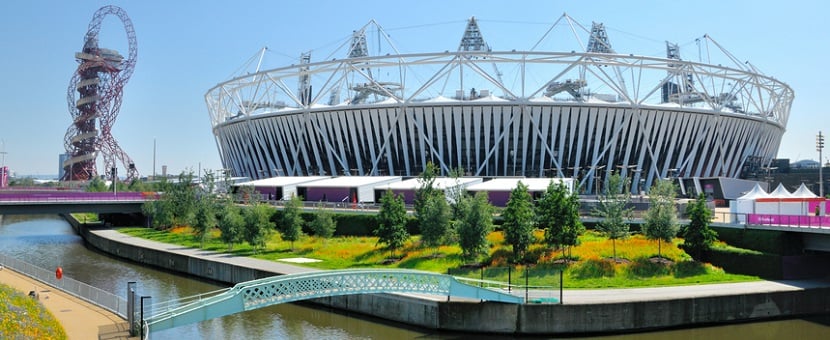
593, 267
22, 317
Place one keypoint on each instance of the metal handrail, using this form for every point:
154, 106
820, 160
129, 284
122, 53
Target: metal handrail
93, 295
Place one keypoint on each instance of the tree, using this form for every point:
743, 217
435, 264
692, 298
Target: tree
160, 212
291, 221
697, 236
205, 208
613, 211
431, 209
248, 194
231, 224
323, 224
182, 196
205, 219
139, 186
557, 213
661, 217
519, 220
475, 226
176, 205
162, 185
434, 220
391, 219
96, 184
455, 192
119, 186
258, 225
426, 189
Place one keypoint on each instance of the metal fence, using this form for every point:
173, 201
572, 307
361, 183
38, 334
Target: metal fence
546, 281
93, 295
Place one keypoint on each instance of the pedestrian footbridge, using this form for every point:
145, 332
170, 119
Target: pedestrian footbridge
296, 287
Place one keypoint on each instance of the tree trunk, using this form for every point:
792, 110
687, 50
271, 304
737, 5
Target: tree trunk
659, 250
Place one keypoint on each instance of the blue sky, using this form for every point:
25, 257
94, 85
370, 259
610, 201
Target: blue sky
187, 47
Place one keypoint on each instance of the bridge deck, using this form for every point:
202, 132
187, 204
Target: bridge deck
64, 202
304, 286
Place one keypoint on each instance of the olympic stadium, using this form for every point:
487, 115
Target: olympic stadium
574, 113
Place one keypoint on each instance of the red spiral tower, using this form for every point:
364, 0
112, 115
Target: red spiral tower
94, 98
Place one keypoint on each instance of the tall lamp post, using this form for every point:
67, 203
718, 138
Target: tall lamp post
819, 147
3, 172
114, 180
3, 153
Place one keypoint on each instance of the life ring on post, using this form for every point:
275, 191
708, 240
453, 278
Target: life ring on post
59, 273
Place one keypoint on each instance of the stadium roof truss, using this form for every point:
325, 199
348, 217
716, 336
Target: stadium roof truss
628, 79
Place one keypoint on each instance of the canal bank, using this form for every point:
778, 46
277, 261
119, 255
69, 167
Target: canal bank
583, 311
79, 319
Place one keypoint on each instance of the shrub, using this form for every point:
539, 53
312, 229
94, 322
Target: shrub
761, 240
768, 266
535, 253
499, 257
594, 268
355, 224
688, 268
644, 267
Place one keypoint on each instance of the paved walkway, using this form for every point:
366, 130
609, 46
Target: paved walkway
596, 296
80, 319
270, 266
570, 296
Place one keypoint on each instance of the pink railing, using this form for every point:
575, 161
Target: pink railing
789, 220
53, 196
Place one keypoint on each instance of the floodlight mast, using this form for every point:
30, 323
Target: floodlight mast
819, 148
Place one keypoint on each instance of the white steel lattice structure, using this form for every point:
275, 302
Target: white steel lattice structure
503, 113
269, 291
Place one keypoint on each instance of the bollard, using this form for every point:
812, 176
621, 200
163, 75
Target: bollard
560, 286
481, 276
131, 306
526, 284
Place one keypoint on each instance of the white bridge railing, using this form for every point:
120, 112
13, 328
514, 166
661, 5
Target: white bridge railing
296, 287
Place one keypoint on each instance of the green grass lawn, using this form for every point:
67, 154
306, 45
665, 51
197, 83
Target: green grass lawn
86, 217
592, 266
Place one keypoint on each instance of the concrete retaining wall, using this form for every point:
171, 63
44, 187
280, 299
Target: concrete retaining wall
625, 317
491, 317
394, 307
221, 272
488, 317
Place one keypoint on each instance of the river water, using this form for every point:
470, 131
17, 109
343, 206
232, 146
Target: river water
48, 241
